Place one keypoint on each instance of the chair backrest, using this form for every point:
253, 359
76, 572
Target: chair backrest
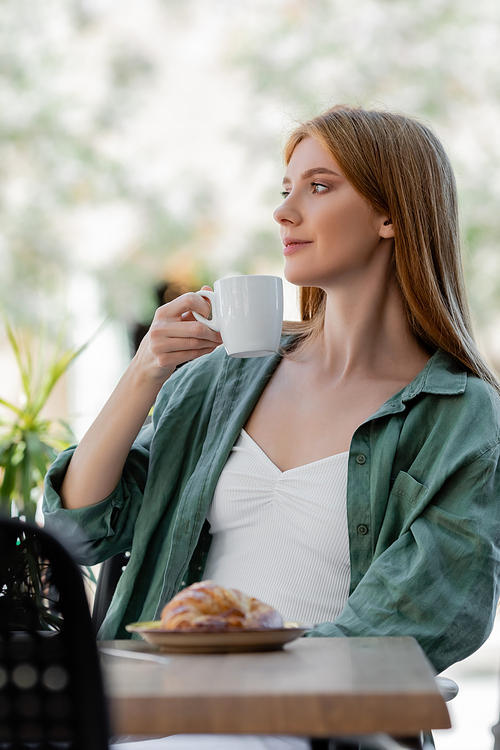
51, 690
109, 574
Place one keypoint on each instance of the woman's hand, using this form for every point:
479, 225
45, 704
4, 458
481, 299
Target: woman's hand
174, 337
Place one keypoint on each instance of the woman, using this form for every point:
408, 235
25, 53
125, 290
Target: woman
351, 481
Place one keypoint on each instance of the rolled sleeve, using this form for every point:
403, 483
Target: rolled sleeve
99, 531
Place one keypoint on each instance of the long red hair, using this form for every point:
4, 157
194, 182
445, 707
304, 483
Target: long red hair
401, 169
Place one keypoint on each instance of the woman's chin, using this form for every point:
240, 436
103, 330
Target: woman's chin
298, 279
294, 275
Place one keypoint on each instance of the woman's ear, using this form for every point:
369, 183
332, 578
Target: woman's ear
386, 229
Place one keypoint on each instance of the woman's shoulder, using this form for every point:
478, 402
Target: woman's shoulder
448, 403
482, 402
474, 403
445, 375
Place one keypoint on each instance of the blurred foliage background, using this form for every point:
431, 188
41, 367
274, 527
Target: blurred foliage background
140, 142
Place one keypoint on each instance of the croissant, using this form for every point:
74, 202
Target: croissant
207, 606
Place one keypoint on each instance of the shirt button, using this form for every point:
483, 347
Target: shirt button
362, 529
360, 458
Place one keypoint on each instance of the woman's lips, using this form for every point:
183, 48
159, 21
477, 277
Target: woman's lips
291, 246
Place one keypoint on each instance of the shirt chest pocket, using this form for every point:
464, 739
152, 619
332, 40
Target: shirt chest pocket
407, 500
409, 490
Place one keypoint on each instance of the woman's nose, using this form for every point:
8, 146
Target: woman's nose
286, 213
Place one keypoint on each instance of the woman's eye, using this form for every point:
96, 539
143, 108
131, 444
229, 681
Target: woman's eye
318, 188
284, 194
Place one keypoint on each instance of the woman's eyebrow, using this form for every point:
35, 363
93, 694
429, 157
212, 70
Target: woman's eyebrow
311, 172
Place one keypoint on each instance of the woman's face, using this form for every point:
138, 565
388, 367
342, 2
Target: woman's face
329, 232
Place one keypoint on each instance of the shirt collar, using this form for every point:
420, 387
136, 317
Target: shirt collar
442, 375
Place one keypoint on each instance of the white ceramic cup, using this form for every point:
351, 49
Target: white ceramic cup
247, 311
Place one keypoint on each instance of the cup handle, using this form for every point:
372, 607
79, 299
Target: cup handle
214, 323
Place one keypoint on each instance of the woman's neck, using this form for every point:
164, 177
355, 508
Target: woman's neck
366, 335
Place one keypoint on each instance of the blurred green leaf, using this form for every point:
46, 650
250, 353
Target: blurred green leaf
30, 443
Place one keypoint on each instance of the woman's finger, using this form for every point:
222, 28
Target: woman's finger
184, 328
184, 304
188, 335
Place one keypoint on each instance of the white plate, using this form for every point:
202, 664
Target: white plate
219, 642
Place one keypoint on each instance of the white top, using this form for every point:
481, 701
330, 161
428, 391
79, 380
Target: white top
281, 536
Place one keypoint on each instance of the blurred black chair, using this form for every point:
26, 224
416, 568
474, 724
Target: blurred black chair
51, 691
109, 575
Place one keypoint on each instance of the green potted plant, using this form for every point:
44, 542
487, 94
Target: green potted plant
29, 443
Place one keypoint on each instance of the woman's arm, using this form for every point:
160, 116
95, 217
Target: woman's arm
174, 337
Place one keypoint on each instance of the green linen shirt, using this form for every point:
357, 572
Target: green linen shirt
423, 504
